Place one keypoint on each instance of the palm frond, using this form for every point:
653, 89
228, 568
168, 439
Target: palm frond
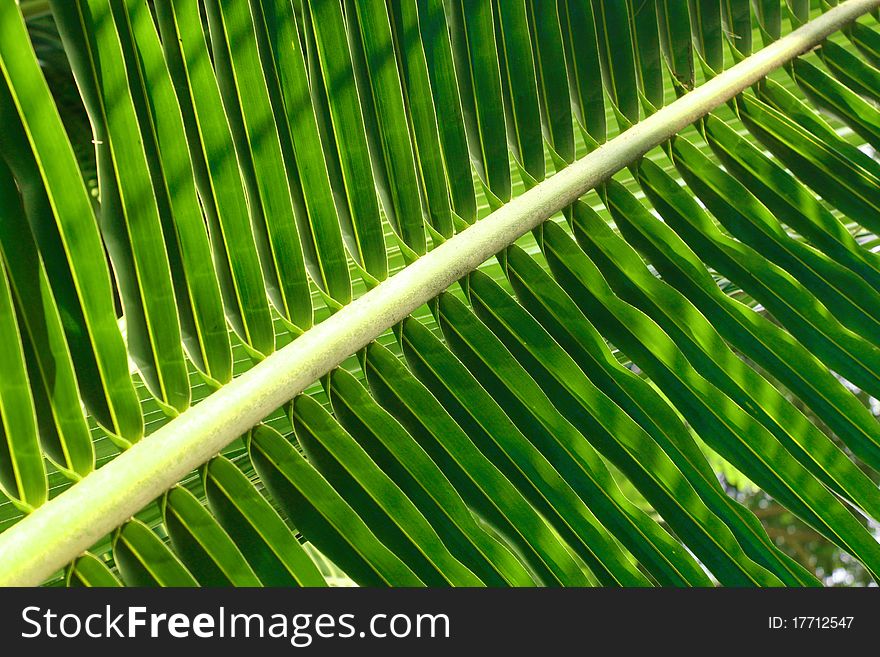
298, 393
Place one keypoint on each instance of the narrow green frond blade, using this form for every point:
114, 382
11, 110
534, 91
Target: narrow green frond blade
244, 86
265, 540
584, 68
518, 75
754, 335
88, 570
197, 289
866, 40
379, 84
475, 53
790, 200
836, 170
435, 39
482, 486
707, 31
372, 492
542, 296
841, 100
129, 212
736, 17
675, 38
201, 544
714, 360
421, 480
646, 35
794, 306
484, 421
615, 435
285, 72
322, 515
545, 25
343, 134
571, 455
799, 10
45, 165
617, 54
851, 300
22, 471
144, 560
217, 175
720, 422
769, 15
62, 426
434, 179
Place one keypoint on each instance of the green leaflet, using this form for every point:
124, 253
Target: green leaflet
851, 300
751, 333
318, 223
584, 68
477, 479
646, 37
799, 11
244, 86
129, 214
90, 571
867, 41
207, 21
521, 105
341, 122
379, 85
421, 110
776, 96
217, 176
549, 53
614, 434
484, 421
769, 15
711, 357
81, 282
736, 17
553, 308
364, 479
858, 75
675, 37
475, 54
840, 100
707, 31
61, 424
144, 560
561, 443
721, 423
794, 306
434, 33
789, 200
22, 472
315, 507
419, 477
267, 543
201, 544
618, 58
834, 169
197, 292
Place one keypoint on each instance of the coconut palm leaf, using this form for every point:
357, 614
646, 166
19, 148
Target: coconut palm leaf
326, 296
